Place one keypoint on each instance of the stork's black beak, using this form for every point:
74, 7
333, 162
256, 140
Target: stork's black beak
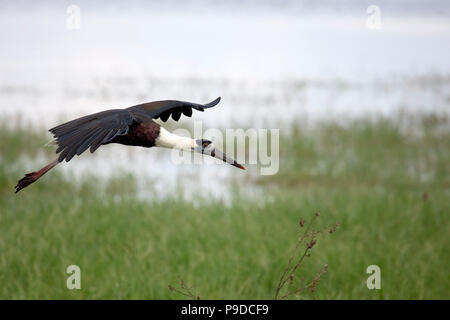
206, 147
216, 153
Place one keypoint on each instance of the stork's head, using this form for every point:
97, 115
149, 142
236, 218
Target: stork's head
204, 146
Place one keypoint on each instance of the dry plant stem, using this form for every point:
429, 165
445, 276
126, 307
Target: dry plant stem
294, 268
184, 294
285, 276
310, 285
187, 291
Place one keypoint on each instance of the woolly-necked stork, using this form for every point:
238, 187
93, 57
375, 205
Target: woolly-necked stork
133, 126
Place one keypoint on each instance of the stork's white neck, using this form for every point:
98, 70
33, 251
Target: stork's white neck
173, 141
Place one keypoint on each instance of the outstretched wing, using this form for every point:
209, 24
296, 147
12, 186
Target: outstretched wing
75, 136
165, 109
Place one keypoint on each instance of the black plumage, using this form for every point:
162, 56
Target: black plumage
76, 136
133, 126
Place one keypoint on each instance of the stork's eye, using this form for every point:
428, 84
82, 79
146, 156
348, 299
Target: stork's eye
204, 143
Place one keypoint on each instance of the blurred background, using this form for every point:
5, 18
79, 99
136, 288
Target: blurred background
361, 98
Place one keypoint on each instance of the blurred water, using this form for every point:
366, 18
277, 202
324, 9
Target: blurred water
272, 62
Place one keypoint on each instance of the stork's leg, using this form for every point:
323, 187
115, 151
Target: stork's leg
33, 176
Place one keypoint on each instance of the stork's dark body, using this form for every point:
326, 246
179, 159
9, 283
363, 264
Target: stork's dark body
142, 134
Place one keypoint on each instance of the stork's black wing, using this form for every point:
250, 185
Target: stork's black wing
75, 136
164, 109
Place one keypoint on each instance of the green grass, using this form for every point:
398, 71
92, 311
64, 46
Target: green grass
388, 188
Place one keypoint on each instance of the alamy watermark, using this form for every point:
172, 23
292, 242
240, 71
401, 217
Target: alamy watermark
374, 280
250, 146
74, 280
374, 19
73, 21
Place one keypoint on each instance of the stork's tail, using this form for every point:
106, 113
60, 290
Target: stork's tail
33, 176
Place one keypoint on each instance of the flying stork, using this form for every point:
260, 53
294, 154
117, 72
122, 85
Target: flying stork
133, 126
